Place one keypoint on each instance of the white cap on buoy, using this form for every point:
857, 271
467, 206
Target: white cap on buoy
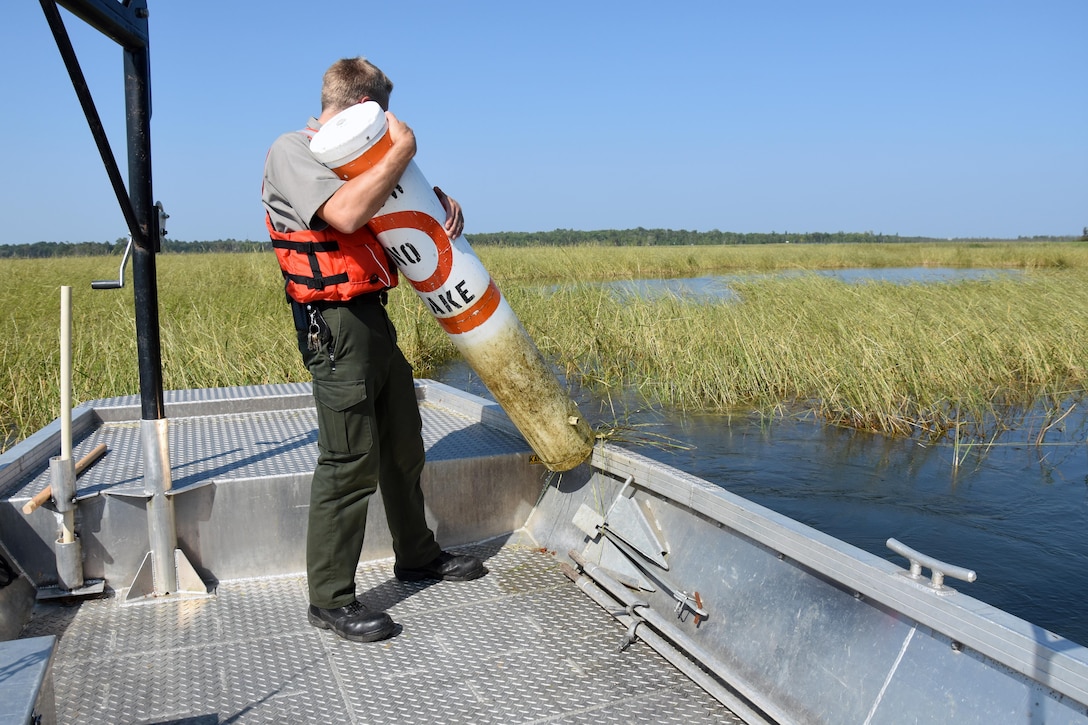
350, 142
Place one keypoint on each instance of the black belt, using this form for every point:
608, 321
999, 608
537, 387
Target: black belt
381, 297
374, 298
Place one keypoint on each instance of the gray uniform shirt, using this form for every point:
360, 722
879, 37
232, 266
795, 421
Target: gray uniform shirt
296, 184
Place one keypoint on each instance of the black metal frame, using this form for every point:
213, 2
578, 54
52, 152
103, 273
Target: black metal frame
126, 24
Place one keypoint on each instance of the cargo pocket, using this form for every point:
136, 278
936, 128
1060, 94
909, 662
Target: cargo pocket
343, 416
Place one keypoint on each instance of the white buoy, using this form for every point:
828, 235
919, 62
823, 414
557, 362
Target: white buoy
451, 280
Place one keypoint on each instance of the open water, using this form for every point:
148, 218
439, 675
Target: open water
1016, 513
720, 286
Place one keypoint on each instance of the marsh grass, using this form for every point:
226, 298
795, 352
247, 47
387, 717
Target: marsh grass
952, 360
962, 362
917, 359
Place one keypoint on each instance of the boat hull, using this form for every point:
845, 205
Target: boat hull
786, 624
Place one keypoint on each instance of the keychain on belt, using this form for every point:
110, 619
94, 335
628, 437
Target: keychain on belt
318, 333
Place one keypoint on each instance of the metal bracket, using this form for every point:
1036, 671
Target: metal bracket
692, 602
190, 585
91, 587
636, 525
628, 543
631, 636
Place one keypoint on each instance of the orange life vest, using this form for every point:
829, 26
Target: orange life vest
331, 266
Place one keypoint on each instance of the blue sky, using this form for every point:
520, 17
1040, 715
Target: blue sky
943, 119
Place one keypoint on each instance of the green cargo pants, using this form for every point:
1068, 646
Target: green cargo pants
369, 435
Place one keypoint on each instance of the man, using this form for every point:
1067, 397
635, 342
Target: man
369, 430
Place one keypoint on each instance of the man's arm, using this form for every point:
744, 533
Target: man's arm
360, 198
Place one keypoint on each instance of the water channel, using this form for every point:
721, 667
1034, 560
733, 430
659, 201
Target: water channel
1015, 512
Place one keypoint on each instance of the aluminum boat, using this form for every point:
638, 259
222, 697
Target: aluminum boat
161, 578
621, 590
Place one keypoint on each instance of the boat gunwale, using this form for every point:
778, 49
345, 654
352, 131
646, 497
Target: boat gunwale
1026, 648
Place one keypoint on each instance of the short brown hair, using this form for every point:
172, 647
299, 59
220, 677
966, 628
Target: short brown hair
349, 79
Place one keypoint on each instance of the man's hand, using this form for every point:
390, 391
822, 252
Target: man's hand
455, 218
400, 133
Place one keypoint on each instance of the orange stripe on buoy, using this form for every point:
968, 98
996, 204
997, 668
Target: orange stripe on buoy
366, 160
476, 315
423, 222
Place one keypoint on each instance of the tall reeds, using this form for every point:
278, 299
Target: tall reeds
913, 359
920, 359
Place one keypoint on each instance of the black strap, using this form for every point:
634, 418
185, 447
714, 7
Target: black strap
306, 247
310, 249
317, 282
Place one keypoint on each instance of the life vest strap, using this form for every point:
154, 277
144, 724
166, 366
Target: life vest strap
306, 247
317, 282
310, 249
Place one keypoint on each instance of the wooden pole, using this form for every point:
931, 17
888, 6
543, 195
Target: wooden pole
81, 465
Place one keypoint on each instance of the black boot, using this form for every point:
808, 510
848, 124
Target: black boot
354, 622
447, 566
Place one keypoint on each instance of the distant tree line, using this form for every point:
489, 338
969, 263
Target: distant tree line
638, 237
641, 237
92, 249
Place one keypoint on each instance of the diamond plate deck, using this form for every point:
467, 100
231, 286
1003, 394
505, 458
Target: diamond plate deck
521, 645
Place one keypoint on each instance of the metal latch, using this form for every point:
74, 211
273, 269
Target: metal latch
692, 601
